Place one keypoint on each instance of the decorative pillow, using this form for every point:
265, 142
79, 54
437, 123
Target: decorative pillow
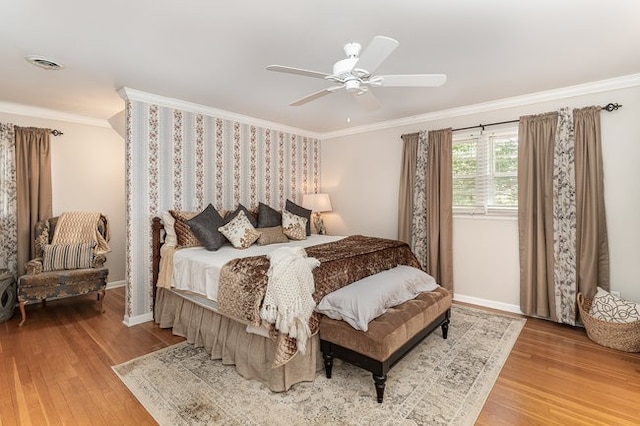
67, 256
170, 237
250, 216
294, 226
184, 236
607, 307
363, 301
205, 227
268, 217
42, 237
292, 207
271, 235
240, 231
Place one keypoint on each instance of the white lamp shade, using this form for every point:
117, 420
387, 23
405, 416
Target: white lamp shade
317, 203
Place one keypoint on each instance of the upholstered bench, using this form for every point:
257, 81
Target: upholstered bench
388, 338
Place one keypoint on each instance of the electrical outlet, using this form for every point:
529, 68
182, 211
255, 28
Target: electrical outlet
615, 293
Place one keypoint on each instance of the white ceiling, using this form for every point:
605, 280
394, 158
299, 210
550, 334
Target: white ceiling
214, 53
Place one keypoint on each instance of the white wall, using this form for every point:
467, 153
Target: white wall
361, 173
87, 172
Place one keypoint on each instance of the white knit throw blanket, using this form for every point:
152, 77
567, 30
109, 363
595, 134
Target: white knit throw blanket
288, 300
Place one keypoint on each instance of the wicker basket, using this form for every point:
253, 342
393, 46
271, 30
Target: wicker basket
621, 336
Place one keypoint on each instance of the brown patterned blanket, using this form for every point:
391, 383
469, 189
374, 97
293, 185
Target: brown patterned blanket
243, 282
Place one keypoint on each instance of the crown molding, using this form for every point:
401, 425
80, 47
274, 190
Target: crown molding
137, 95
516, 101
50, 114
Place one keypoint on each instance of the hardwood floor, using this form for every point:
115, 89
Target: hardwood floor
555, 375
57, 370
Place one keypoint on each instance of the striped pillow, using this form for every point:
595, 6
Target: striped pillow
68, 256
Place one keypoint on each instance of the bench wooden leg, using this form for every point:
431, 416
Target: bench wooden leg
328, 364
445, 328
380, 383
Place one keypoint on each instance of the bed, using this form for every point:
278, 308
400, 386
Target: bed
213, 299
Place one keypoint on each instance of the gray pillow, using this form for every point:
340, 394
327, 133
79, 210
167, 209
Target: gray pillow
365, 300
268, 217
205, 227
292, 207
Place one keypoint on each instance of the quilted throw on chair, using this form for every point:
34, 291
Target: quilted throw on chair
80, 227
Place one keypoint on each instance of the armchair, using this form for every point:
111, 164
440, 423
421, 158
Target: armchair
69, 269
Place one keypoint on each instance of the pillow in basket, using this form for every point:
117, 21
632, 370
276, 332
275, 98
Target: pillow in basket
607, 307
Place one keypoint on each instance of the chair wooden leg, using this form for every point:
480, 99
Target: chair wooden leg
22, 312
101, 294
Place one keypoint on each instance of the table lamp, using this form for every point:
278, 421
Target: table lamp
317, 203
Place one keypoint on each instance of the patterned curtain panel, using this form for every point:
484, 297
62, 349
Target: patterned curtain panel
564, 219
419, 227
561, 218
8, 230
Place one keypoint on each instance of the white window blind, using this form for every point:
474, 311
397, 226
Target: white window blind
485, 173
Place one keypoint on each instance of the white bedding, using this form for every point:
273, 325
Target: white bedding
197, 270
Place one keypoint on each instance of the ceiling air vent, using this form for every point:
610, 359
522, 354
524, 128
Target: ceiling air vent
44, 63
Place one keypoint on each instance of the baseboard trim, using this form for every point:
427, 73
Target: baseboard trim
507, 307
116, 284
138, 319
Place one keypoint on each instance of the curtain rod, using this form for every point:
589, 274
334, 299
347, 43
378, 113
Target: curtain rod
609, 107
56, 132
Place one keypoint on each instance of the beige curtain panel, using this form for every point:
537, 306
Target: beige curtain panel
407, 184
536, 136
591, 228
33, 187
440, 207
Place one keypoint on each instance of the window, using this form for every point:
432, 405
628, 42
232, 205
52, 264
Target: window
485, 173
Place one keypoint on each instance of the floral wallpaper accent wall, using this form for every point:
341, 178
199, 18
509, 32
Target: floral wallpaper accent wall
177, 159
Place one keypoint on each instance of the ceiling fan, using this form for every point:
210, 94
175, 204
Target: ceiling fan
356, 75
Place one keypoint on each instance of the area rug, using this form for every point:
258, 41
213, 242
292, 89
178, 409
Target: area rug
440, 382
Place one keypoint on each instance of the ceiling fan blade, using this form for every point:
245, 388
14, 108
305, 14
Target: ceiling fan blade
315, 95
367, 100
413, 80
298, 71
378, 50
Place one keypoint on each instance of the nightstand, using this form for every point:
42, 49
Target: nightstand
8, 292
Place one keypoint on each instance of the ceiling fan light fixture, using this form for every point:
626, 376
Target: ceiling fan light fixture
352, 85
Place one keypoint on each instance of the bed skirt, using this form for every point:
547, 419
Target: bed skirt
228, 340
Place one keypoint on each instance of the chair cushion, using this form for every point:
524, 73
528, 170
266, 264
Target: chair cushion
61, 283
67, 256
